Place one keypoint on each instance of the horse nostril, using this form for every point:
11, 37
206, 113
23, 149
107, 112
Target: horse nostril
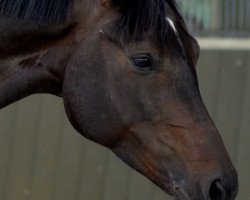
217, 191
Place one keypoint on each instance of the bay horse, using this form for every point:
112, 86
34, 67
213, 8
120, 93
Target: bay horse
126, 73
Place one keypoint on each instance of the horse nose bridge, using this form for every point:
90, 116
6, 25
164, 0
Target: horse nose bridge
201, 145
188, 109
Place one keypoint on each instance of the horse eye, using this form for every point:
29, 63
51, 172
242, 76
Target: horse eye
143, 63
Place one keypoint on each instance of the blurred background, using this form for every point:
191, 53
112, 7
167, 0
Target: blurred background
217, 17
43, 158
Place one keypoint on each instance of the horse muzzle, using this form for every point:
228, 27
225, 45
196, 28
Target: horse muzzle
215, 191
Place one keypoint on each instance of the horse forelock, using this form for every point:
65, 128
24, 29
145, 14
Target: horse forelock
40, 11
138, 18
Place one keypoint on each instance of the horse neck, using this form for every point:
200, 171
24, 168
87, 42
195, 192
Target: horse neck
33, 57
40, 72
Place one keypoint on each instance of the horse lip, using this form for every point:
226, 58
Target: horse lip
180, 194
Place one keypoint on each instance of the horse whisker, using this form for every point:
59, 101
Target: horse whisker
181, 194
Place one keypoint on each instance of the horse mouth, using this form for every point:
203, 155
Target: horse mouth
180, 194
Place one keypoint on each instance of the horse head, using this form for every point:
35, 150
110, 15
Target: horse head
131, 86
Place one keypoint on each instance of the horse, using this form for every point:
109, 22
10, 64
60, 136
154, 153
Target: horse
126, 73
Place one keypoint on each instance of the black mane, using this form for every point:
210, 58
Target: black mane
141, 17
137, 17
41, 11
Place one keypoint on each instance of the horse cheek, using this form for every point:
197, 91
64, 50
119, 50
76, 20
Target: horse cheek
87, 101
